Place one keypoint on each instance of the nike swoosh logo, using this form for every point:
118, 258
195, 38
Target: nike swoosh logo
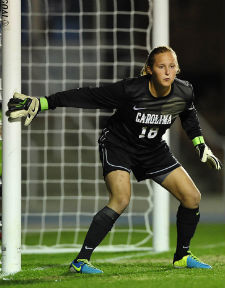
76, 268
88, 248
136, 108
185, 247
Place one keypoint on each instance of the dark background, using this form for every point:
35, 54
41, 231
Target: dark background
197, 36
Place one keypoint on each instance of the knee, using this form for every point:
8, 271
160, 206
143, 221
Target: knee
191, 200
196, 199
122, 201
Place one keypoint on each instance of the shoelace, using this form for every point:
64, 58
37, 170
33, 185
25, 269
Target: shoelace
85, 261
193, 256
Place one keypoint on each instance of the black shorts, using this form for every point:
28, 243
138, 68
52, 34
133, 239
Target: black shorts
153, 164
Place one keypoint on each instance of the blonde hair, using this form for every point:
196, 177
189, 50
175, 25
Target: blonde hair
151, 58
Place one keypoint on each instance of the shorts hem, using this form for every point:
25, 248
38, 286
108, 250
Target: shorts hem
155, 174
115, 169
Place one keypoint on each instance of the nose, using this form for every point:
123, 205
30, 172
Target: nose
167, 70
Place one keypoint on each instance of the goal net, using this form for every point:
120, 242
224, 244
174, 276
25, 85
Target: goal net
65, 45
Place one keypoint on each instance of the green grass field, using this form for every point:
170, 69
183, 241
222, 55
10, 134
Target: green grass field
131, 269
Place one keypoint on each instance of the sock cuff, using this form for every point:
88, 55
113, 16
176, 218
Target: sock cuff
110, 213
186, 211
106, 217
187, 215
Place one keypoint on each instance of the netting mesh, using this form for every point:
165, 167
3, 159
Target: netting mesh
65, 45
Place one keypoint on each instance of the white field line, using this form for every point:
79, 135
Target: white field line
221, 244
114, 259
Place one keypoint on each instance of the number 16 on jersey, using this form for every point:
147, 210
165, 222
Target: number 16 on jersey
149, 134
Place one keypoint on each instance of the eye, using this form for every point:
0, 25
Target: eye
173, 66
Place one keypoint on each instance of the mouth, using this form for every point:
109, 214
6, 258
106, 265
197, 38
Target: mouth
166, 79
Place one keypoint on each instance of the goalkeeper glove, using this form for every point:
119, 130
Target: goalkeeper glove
205, 154
25, 106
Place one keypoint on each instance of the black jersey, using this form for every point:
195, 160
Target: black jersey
140, 119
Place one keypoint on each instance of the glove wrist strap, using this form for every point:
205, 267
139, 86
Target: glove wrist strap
198, 140
43, 103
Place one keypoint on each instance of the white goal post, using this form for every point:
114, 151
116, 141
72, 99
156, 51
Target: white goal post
11, 172
160, 36
73, 44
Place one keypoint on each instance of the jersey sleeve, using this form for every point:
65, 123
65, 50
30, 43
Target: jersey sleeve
189, 120
109, 97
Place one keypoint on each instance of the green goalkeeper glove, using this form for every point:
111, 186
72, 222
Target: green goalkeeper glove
205, 154
25, 106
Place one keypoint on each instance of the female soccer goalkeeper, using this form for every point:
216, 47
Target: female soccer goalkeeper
146, 107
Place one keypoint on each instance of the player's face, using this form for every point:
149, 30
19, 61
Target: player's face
164, 69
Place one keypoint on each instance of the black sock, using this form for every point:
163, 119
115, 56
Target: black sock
187, 220
101, 224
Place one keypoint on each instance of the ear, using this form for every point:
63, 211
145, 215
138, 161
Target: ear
149, 70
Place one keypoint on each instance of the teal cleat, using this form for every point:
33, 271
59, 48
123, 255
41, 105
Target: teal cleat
83, 266
190, 261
